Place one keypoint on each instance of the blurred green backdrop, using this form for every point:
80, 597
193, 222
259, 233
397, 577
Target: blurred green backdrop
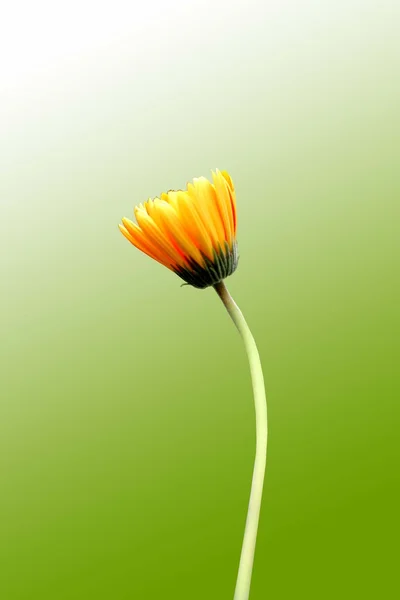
126, 426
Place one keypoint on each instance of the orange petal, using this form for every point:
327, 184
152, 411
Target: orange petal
153, 233
224, 205
168, 216
193, 224
203, 196
136, 236
232, 194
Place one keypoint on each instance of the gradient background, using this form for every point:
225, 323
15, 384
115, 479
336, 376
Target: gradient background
126, 422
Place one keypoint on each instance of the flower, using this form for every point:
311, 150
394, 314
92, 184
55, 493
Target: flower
192, 231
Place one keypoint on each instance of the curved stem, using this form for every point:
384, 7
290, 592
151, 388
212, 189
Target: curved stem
243, 582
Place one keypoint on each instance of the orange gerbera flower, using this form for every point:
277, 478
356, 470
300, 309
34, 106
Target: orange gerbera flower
192, 231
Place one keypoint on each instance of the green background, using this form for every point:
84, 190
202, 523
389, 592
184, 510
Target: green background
126, 420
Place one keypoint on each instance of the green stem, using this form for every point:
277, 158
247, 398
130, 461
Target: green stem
243, 582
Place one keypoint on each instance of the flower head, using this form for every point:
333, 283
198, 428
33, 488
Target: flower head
192, 231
